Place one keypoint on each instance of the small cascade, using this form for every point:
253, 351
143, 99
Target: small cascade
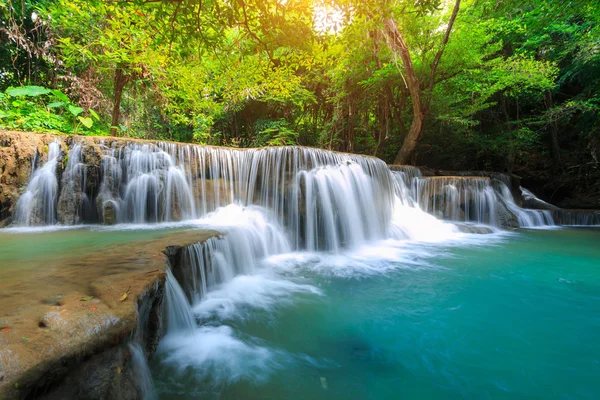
249, 238
73, 203
527, 218
339, 205
37, 206
576, 217
178, 312
470, 199
142, 372
107, 202
405, 179
156, 187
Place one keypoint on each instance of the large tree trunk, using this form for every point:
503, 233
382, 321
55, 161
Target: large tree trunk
119, 83
412, 82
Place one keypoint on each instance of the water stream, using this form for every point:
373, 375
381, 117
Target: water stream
336, 277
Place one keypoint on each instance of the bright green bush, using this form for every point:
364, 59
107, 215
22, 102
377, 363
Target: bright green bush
36, 108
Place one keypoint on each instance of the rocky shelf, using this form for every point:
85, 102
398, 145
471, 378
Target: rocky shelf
65, 322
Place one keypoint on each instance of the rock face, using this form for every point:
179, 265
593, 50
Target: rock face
19, 154
84, 342
505, 217
110, 372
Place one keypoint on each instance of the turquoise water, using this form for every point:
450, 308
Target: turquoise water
25, 246
515, 316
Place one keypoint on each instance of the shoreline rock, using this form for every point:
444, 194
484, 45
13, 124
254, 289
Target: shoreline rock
76, 344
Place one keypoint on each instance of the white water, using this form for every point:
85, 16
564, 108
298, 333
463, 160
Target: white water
38, 204
142, 372
253, 269
341, 207
179, 317
458, 198
322, 200
527, 218
73, 197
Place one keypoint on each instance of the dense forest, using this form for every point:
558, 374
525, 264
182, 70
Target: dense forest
507, 85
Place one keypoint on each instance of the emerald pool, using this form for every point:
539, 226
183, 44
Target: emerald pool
503, 316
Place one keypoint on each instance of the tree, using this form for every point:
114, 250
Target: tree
420, 104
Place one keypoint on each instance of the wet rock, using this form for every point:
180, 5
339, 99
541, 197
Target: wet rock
19, 153
476, 229
504, 217
109, 213
80, 349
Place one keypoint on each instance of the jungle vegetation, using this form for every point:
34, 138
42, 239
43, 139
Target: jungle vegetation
507, 85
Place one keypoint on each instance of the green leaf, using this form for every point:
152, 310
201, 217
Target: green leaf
75, 110
86, 121
4, 115
61, 96
31, 91
55, 104
88, 298
93, 113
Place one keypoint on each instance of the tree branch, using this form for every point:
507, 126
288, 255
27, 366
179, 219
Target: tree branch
438, 56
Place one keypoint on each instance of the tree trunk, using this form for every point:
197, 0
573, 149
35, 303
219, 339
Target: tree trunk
412, 81
420, 108
119, 83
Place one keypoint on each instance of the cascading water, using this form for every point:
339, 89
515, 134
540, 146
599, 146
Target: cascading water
37, 206
527, 218
458, 198
156, 187
249, 238
340, 207
142, 372
324, 200
405, 183
343, 199
294, 221
73, 203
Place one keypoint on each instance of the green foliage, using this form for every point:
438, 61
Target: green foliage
513, 75
274, 133
36, 108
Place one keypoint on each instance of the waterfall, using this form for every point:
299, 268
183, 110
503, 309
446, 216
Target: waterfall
527, 218
325, 200
249, 237
470, 199
37, 206
405, 179
322, 199
156, 188
340, 206
178, 312
576, 217
107, 202
142, 372
73, 203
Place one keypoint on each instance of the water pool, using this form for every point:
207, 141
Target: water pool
513, 315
